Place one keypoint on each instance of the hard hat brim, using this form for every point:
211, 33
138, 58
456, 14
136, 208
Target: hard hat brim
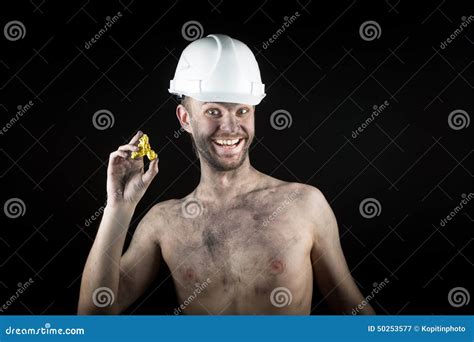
224, 97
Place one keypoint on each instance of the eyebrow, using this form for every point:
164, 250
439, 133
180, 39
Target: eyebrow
226, 104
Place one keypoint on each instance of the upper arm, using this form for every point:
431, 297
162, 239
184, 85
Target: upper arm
140, 263
329, 264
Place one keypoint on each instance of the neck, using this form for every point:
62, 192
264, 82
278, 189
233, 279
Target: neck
223, 185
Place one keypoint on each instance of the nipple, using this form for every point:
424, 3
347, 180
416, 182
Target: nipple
276, 267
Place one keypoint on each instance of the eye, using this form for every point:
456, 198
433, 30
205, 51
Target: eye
212, 112
243, 111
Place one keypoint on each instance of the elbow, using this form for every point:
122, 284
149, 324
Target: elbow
359, 310
368, 310
351, 307
87, 309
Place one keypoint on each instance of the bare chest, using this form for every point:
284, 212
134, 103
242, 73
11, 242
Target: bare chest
250, 244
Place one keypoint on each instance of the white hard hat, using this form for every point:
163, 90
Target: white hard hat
218, 68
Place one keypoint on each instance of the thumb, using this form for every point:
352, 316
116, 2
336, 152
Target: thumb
152, 171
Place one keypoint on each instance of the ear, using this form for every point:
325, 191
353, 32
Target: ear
184, 118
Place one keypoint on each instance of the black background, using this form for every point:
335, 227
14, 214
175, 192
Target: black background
320, 70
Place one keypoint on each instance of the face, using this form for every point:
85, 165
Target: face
222, 132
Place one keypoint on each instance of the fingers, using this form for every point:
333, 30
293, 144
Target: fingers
152, 171
135, 138
117, 154
128, 147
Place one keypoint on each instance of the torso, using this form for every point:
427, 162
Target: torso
249, 256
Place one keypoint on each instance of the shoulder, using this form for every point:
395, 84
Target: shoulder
157, 218
306, 195
164, 207
309, 198
312, 205
166, 212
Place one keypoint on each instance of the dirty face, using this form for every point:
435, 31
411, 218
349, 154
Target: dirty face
222, 132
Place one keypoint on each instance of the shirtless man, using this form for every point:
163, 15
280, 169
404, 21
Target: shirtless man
250, 243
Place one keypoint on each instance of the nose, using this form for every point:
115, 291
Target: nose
229, 123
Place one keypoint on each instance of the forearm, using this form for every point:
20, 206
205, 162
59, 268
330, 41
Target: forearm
102, 268
368, 310
350, 301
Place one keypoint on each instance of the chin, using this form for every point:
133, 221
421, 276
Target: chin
226, 165
224, 158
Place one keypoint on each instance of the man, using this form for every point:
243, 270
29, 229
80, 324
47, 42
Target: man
242, 242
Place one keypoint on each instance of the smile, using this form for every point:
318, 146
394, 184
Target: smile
227, 144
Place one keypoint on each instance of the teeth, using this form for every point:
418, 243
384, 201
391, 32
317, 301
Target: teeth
227, 142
